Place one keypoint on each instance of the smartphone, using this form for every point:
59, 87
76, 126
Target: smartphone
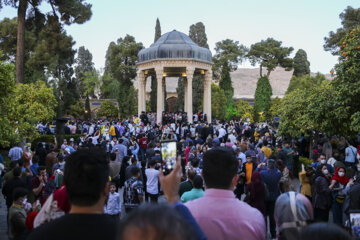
168, 155
355, 222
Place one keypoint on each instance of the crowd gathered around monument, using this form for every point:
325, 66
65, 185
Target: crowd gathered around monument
232, 180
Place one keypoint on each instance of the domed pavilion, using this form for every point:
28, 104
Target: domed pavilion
174, 54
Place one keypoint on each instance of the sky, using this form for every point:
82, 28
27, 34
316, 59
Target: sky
299, 24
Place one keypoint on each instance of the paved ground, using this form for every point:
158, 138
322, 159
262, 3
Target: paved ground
3, 223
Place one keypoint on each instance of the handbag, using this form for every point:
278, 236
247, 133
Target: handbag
340, 198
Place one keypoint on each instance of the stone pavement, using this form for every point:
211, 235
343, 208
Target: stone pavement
3, 222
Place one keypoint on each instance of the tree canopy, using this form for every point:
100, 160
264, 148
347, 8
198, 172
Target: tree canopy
301, 64
198, 35
350, 18
270, 54
263, 95
108, 109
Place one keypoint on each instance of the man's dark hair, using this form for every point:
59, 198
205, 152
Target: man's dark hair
195, 162
133, 160
121, 140
13, 164
152, 162
265, 142
319, 231
86, 174
135, 171
40, 168
191, 174
322, 154
220, 166
197, 182
112, 156
19, 192
161, 221
17, 172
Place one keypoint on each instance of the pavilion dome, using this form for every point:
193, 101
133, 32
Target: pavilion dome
175, 45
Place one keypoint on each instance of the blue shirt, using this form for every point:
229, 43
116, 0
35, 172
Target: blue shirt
34, 168
351, 152
271, 178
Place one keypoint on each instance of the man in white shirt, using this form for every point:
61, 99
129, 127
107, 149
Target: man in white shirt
222, 132
15, 153
152, 182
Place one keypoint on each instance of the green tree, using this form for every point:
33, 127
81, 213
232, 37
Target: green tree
301, 64
347, 84
350, 18
77, 110
198, 35
120, 63
108, 109
31, 103
153, 99
109, 87
84, 65
274, 110
179, 104
90, 83
270, 54
157, 30
241, 109
87, 108
263, 95
70, 11
7, 85
229, 54
305, 82
294, 117
218, 99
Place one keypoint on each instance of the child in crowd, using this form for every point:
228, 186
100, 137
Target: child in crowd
113, 204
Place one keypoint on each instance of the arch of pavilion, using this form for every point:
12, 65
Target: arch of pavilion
174, 54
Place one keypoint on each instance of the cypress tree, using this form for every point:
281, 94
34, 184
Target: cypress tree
153, 78
263, 95
87, 108
301, 64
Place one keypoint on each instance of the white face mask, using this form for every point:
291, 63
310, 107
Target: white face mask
325, 172
341, 174
323, 161
24, 201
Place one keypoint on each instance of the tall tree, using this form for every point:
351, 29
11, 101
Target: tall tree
270, 54
180, 90
198, 35
305, 82
263, 95
84, 66
120, 62
229, 54
301, 64
153, 100
350, 18
157, 30
70, 11
217, 103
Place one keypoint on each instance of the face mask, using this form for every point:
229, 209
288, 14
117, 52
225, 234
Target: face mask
341, 174
323, 161
325, 172
24, 201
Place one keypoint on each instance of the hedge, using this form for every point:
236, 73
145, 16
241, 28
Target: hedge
50, 139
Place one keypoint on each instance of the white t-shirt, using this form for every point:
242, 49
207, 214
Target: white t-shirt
152, 180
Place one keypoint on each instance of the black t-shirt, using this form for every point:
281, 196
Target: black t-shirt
77, 226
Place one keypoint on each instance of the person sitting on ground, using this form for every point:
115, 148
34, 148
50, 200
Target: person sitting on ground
293, 211
196, 192
232, 219
86, 180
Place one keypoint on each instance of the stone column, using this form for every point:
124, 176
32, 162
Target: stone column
159, 95
141, 91
163, 91
189, 76
207, 94
185, 94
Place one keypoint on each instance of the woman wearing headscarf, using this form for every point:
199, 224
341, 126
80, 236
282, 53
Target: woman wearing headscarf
285, 181
322, 194
338, 184
293, 211
255, 192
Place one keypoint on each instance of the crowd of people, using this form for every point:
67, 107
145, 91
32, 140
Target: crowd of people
232, 180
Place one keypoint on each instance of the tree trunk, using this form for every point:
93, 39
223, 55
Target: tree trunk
268, 74
20, 46
261, 71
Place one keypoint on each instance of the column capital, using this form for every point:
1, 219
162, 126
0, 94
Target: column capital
190, 72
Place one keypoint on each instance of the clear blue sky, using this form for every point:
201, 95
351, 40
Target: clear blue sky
300, 24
